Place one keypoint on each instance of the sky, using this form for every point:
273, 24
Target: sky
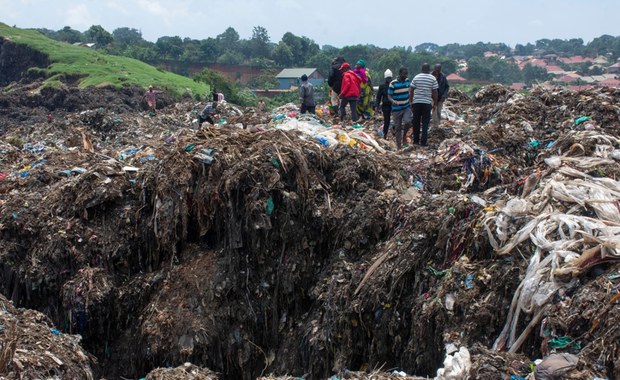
327, 22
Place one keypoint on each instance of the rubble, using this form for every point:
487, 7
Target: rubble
286, 244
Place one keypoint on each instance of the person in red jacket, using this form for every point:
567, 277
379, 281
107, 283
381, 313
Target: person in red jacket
349, 92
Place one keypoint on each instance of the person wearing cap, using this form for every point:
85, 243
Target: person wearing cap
306, 95
398, 94
384, 102
423, 99
364, 106
151, 98
349, 92
442, 93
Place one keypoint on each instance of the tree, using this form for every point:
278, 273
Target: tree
478, 70
476, 50
309, 48
532, 74
210, 49
604, 45
282, 54
192, 51
230, 58
169, 47
266, 80
392, 60
354, 52
98, 35
294, 44
69, 35
524, 50
229, 40
322, 61
127, 36
259, 42
427, 47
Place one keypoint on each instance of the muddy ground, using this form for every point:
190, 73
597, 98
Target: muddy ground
137, 245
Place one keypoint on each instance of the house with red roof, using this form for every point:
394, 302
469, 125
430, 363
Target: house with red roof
576, 59
455, 78
614, 69
611, 82
556, 70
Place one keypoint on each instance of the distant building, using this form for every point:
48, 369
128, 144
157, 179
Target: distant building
518, 86
556, 70
614, 69
611, 82
455, 78
84, 44
288, 78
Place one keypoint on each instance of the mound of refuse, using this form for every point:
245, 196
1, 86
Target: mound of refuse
31, 347
275, 245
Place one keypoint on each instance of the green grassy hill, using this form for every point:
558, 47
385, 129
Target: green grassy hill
97, 69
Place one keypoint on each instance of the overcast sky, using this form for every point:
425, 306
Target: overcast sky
330, 22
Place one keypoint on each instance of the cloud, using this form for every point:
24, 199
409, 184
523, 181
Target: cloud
537, 23
115, 6
168, 11
7, 9
79, 15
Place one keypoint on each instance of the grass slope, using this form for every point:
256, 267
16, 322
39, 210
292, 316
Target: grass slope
95, 68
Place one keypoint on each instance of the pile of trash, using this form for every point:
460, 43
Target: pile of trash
286, 244
31, 347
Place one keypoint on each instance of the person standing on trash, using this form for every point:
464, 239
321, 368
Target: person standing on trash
151, 99
349, 92
423, 98
383, 102
442, 93
334, 80
398, 94
306, 96
364, 106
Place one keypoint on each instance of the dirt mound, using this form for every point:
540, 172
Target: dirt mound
280, 243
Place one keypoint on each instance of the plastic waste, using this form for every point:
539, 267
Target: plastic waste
554, 366
270, 206
469, 281
455, 366
322, 140
450, 300
581, 119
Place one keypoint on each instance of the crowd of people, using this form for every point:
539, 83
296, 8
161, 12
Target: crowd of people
406, 104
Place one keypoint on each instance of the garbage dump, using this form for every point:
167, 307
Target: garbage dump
275, 245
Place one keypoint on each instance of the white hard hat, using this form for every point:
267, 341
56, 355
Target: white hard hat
387, 73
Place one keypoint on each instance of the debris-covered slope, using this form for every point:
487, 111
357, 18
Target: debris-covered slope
281, 244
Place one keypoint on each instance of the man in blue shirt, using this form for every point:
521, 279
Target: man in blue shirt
398, 94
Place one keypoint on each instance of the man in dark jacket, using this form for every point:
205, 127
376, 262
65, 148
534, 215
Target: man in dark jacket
334, 80
442, 93
306, 96
384, 102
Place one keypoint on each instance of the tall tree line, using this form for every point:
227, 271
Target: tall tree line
300, 51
